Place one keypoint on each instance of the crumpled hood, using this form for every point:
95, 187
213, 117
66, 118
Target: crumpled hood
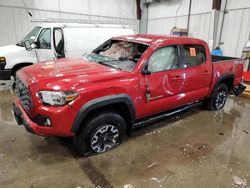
63, 73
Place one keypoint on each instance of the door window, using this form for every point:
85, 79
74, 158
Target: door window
44, 39
163, 59
193, 55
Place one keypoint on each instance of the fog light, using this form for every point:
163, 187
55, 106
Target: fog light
42, 121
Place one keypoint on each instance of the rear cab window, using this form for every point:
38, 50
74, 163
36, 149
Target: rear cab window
192, 55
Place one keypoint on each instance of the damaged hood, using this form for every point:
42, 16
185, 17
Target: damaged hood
65, 73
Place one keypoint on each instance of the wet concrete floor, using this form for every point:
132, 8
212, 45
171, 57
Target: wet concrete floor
196, 148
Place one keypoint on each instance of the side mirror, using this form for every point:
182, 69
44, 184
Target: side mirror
27, 45
145, 70
33, 45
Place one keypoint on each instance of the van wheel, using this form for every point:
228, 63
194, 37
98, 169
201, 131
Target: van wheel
218, 98
101, 133
14, 76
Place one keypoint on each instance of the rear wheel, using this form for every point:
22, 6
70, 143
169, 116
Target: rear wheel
218, 98
101, 133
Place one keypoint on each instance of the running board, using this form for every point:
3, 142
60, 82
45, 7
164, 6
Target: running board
155, 118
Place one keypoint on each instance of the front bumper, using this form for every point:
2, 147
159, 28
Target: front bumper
57, 129
5, 74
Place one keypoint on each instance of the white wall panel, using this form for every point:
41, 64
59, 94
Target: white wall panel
17, 22
236, 4
76, 6
163, 17
235, 31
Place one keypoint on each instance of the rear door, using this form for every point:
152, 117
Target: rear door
196, 72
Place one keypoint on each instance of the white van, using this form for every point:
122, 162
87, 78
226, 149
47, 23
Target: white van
55, 40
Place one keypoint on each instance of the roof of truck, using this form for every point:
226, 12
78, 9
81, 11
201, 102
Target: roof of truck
153, 39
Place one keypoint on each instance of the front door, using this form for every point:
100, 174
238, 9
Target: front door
161, 89
44, 50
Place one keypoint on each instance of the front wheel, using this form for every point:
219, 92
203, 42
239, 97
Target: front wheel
101, 133
218, 98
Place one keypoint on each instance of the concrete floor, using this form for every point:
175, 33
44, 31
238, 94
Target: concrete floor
197, 148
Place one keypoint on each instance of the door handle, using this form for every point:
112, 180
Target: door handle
205, 73
177, 78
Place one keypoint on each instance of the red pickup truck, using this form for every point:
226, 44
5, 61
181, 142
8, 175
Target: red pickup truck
124, 83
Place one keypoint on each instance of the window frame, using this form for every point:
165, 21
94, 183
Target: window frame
179, 57
50, 39
182, 52
54, 41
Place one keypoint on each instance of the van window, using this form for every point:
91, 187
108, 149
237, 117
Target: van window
59, 42
44, 39
31, 36
193, 55
163, 59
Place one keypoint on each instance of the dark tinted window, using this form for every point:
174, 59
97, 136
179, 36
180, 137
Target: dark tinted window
165, 58
193, 55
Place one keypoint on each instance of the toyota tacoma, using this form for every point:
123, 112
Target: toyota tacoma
126, 82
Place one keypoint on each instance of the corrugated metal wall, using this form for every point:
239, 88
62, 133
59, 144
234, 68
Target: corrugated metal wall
236, 31
162, 17
16, 23
200, 25
203, 24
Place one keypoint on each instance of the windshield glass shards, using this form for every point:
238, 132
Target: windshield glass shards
122, 55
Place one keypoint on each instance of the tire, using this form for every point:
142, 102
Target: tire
101, 133
218, 98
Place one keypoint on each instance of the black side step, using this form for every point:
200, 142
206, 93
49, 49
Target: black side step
161, 116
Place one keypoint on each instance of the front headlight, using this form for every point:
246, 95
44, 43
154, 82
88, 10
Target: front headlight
57, 98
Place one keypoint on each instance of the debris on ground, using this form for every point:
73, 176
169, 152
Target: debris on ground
240, 182
151, 165
155, 179
196, 151
245, 131
128, 186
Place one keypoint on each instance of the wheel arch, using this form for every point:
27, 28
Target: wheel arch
19, 66
227, 79
121, 103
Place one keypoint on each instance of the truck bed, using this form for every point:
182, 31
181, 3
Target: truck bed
224, 65
216, 58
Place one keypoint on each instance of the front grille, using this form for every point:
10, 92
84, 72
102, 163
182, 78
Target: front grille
23, 94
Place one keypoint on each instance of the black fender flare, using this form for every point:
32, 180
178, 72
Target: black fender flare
20, 65
220, 80
223, 77
102, 102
